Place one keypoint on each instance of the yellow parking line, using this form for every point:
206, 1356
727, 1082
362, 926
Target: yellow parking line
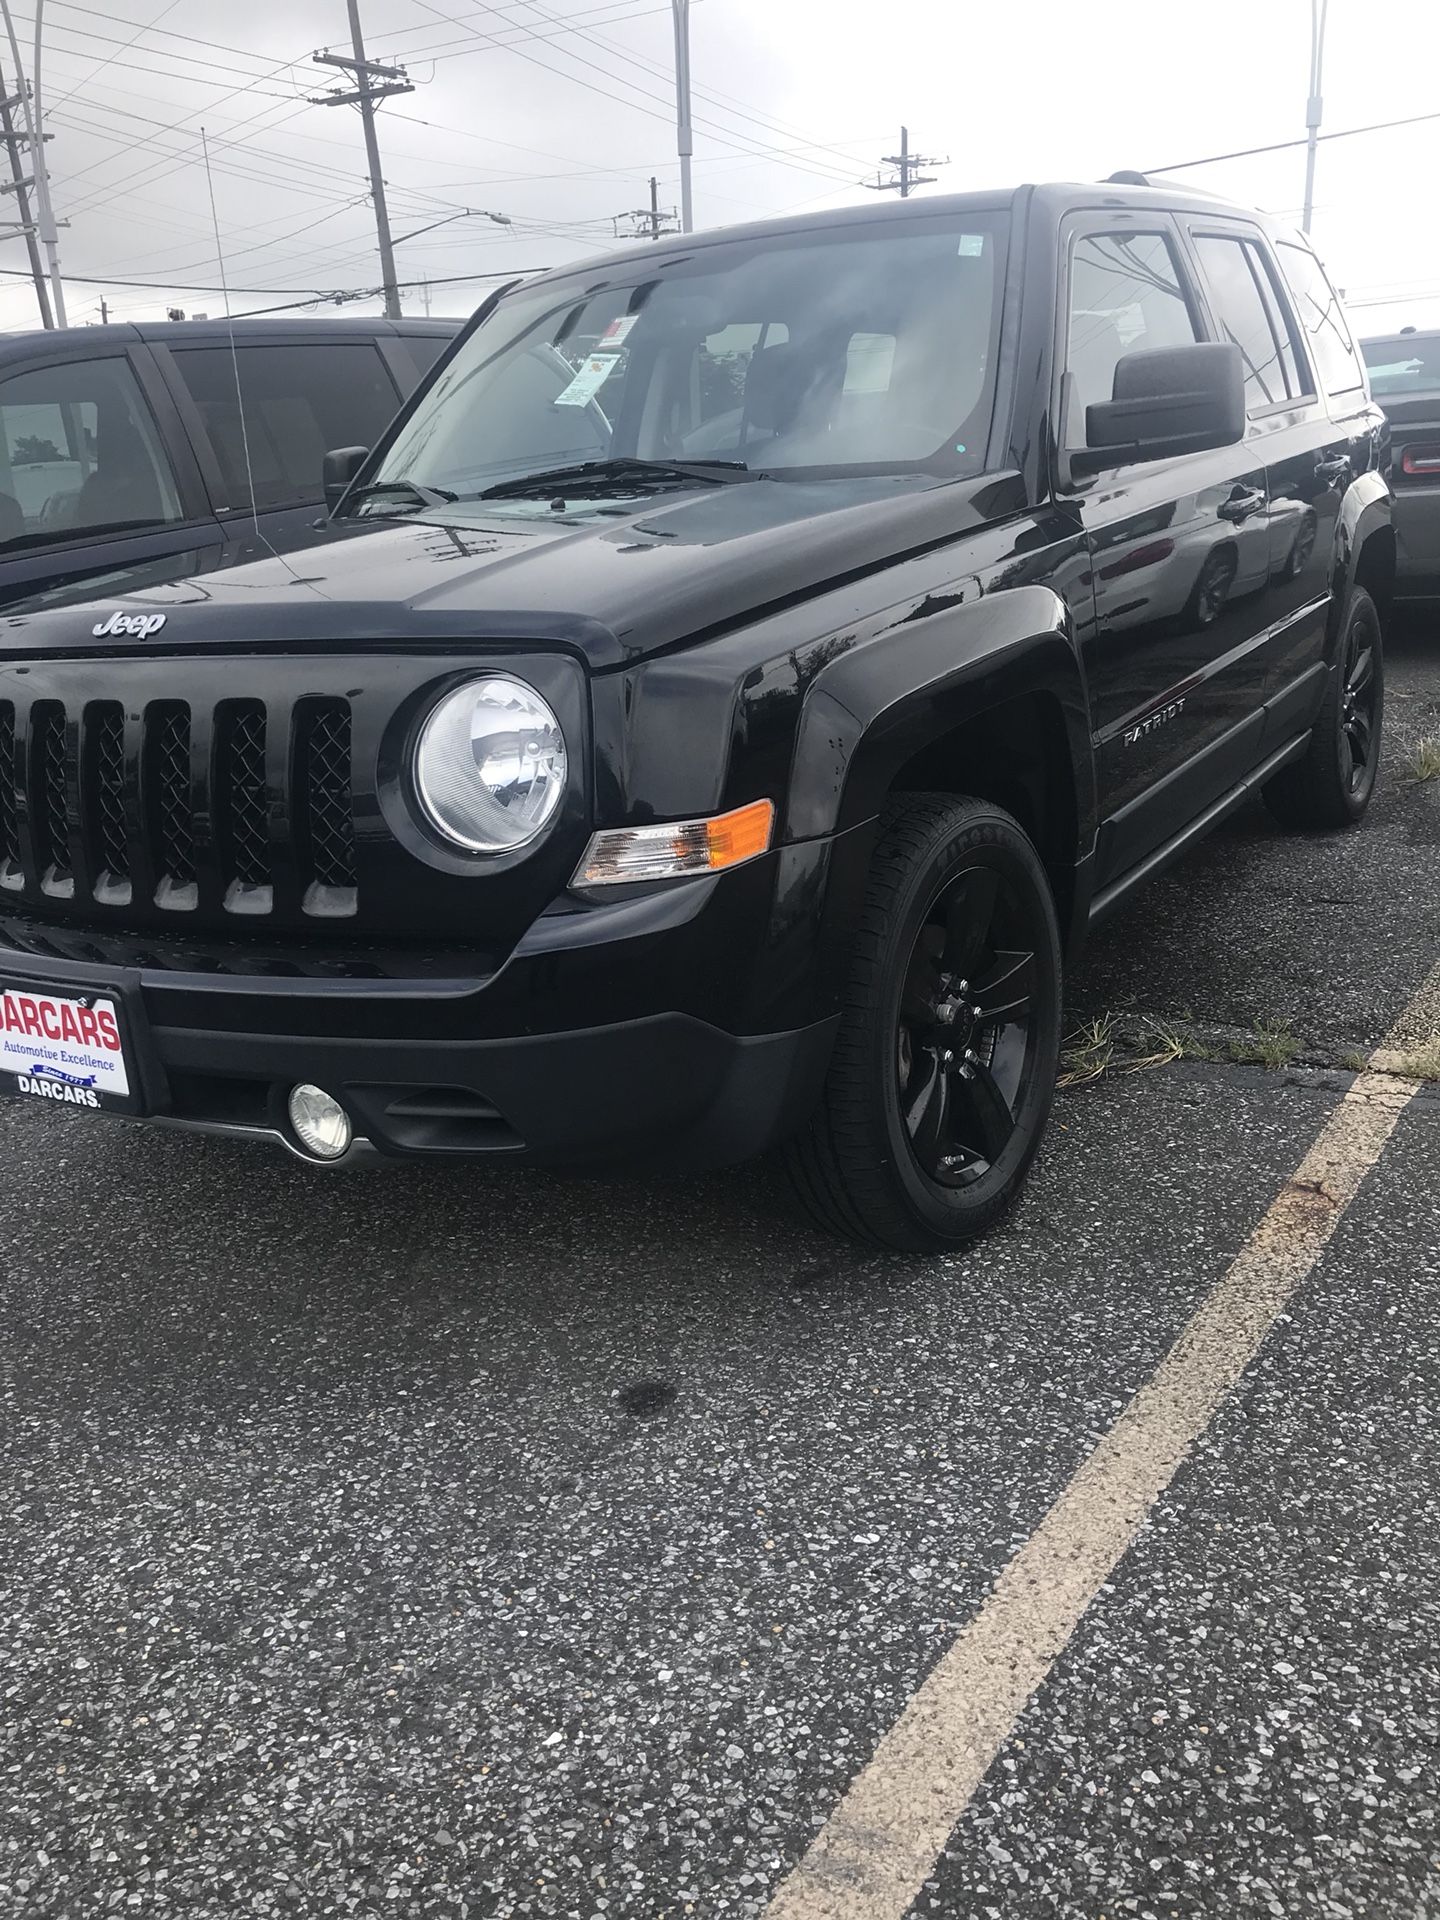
879, 1846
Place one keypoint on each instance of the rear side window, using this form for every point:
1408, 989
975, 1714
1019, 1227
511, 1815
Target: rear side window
1126, 296
299, 401
425, 349
1403, 363
1323, 319
79, 454
1232, 271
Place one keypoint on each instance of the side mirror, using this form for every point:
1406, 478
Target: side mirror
1167, 401
340, 467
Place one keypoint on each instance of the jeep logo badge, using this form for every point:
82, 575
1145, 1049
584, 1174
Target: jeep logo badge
134, 626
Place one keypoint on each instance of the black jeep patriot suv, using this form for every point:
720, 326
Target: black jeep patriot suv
734, 680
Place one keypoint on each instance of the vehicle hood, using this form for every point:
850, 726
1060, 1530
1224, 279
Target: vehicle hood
613, 579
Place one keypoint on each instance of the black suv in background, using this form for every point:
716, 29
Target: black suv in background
740, 673
122, 445
1405, 379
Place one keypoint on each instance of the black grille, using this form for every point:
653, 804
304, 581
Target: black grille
245, 823
174, 806
9, 826
107, 809
49, 795
174, 814
326, 785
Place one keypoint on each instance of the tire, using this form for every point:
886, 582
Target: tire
931, 1117
1211, 590
1331, 786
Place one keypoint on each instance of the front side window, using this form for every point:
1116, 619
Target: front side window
1125, 297
866, 349
79, 454
1323, 319
299, 401
1230, 269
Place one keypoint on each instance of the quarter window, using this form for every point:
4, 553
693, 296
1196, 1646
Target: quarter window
1126, 296
79, 454
299, 401
1323, 319
1231, 269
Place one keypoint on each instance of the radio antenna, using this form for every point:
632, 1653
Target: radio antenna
234, 356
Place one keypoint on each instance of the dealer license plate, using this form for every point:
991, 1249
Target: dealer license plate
62, 1048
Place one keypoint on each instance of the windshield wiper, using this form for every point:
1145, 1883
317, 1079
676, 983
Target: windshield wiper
594, 476
406, 490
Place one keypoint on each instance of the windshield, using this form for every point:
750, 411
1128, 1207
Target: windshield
872, 348
1407, 364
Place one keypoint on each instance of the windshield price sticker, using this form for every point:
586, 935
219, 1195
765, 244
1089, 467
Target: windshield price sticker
593, 374
62, 1049
618, 331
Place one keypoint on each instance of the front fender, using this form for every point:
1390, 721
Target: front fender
875, 707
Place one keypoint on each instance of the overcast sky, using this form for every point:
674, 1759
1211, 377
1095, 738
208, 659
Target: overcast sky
556, 112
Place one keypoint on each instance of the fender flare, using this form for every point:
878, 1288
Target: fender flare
872, 709
1364, 546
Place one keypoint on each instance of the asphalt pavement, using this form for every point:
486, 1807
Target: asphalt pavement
443, 1542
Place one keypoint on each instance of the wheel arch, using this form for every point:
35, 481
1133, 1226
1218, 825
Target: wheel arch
986, 699
1364, 553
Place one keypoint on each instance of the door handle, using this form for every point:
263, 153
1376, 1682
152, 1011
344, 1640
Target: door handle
1242, 503
1336, 468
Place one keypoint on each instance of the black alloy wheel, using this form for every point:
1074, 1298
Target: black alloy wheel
964, 1044
944, 1065
1359, 690
1332, 783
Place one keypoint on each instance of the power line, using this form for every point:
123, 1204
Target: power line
1283, 146
736, 110
317, 293
720, 135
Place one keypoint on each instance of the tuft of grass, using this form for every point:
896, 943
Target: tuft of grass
1168, 1044
1423, 1064
1087, 1052
1270, 1044
1355, 1062
1424, 761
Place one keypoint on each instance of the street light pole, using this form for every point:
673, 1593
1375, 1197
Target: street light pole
684, 137
1314, 105
464, 213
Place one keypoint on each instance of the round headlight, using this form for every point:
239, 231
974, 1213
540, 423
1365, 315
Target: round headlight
490, 767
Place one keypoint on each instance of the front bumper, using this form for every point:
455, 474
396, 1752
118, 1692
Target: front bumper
690, 1025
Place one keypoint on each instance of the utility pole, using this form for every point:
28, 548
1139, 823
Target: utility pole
907, 169
31, 112
649, 222
366, 92
104, 311
684, 134
13, 142
1314, 105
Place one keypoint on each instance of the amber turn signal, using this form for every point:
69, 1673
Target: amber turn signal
620, 855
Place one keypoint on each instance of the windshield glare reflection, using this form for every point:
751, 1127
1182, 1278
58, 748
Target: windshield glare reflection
859, 349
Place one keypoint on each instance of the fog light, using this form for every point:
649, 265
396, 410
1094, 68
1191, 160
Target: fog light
321, 1124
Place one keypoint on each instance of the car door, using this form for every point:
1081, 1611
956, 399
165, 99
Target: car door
1179, 553
95, 474
300, 397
